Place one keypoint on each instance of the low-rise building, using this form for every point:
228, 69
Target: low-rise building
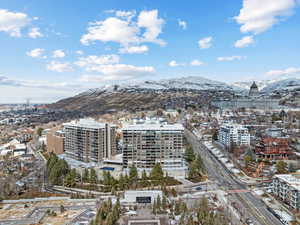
287, 188
274, 132
230, 133
273, 149
142, 197
55, 141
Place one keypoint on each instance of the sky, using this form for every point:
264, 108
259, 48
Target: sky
53, 49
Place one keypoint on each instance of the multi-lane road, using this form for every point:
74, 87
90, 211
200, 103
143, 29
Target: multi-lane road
253, 207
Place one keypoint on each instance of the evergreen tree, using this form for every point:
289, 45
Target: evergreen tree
93, 176
164, 203
86, 175
189, 154
122, 182
157, 172
158, 202
144, 176
133, 173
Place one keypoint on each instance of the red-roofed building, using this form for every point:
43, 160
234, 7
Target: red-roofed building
273, 149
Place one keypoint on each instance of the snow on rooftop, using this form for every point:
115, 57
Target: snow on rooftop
85, 123
159, 127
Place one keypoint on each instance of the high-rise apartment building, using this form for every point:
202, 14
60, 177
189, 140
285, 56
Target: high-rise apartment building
233, 133
89, 141
148, 144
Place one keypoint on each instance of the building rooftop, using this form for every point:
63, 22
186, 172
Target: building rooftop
233, 126
160, 127
292, 179
85, 123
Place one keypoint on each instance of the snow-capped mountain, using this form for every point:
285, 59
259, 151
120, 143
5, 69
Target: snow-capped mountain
283, 85
268, 86
187, 83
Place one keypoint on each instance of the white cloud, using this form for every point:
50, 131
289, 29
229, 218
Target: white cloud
153, 25
79, 52
112, 29
34, 83
258, 16
35, 33
59, 67
125, 14
196, 62
13, 22
93, 60
36, 53
288, 71
173, 63
134, 49
244, 42
129, 33
58, 54
182, 24
117, 72
231, 58
205, 42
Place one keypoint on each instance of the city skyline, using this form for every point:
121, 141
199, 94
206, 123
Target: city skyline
57, 49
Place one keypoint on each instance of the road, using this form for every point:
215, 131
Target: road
254, 208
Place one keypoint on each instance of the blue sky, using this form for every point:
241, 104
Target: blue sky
52, 49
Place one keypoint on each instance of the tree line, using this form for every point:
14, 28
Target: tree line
59, 173
197, 169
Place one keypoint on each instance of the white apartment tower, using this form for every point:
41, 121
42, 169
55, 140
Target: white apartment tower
148, 144
89, 141
233, 133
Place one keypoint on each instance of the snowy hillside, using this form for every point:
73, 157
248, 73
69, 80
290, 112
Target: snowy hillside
268, 86
190, 83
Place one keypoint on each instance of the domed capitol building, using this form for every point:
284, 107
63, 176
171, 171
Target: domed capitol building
252, 100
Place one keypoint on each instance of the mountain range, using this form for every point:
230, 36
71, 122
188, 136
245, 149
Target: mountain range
167, 93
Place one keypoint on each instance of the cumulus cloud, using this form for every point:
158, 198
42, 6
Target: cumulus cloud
257, 16
153, 25
58, 54
125, 14
231, 58
59, 67
129, 33
196, 62
205, 42
35, 33
13, 22
113, 72
244, 42
134, 49
288, 71
112, 29
93, 60
182, 24
36, 53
